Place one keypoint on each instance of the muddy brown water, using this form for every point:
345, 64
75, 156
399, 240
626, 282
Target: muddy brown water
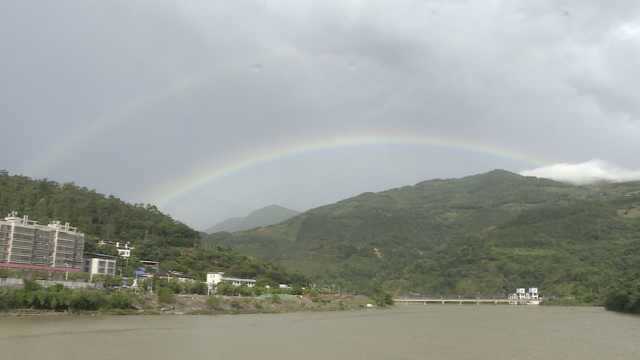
405, 332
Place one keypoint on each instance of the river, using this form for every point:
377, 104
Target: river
405, 332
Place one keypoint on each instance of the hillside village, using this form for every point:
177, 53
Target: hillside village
28, 247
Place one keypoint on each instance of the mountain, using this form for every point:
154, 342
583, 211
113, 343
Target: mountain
97, 215
228, 225
479, 235
154, 235
270, 215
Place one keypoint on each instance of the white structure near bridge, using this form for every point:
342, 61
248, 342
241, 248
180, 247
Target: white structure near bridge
526, 296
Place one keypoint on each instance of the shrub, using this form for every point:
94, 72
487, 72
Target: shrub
245, 291
214, 303
145, 284
617, 301
623, 301
227, 289
4, 273
30, 285
5, 300
297, 290
314, 295
120, 300
257, 291
197, 288
175, 286
39, 275
381, 298
81, 276
108, 281
88, 300
58, 298
166, 296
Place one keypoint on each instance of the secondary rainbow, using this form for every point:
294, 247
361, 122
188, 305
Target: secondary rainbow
207, 173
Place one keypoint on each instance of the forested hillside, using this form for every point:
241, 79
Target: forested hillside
479, 235
99, 216
155, 236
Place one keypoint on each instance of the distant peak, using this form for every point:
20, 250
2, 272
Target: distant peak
501, 172
274, 207
268, 215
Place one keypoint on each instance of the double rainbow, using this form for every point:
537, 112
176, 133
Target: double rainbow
167, 192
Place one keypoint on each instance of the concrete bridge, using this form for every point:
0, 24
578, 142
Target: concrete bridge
456, 301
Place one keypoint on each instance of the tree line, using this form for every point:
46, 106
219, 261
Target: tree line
625, 297
58, 298
98, 216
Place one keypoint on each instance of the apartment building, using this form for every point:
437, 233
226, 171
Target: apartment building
25, 244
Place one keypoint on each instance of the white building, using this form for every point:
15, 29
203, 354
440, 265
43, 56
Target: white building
177, 276
525, 296
213, 279
100, 265
125, 250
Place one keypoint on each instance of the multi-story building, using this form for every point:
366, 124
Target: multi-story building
99, 264
25, 244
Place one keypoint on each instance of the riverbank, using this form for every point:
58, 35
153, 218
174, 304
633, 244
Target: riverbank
204, 305
216, 305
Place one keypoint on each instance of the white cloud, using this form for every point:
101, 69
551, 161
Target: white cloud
584, 173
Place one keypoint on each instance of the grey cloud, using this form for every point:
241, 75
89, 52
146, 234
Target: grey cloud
588, 172
152, 90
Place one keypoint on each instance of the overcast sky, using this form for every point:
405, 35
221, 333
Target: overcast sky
207, 108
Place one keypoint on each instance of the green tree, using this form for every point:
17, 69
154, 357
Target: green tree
166, 296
